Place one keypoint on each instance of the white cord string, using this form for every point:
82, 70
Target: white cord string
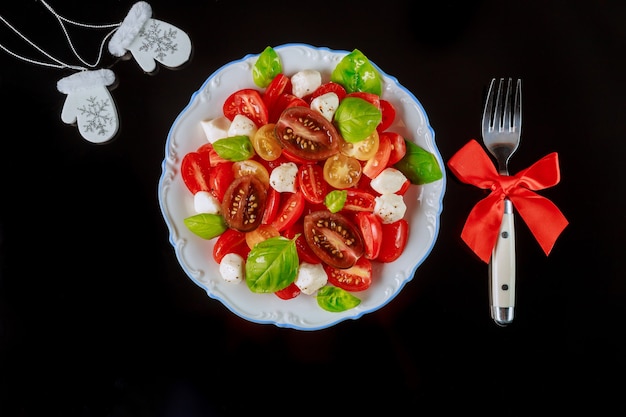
62, 19
60, 64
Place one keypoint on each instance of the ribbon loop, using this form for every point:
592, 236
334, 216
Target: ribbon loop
472, 165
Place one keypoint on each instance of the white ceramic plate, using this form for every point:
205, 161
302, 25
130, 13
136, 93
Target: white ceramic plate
424, 203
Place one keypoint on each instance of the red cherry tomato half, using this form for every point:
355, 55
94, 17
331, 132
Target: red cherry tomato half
395, 237
389, 114
281, 84
247, 102
231, 241
221, 177
306, 134
285, 101
359, 200
289, 212
375, 166
214, 158
372, 230
195, 172
244, 203
333, 238
356, 278
305, 253
289, 292
329, 87
272, 204
398, 147
312, 183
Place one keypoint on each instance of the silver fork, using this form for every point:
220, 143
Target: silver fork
501, 128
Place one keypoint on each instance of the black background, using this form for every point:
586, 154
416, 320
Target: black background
98, 319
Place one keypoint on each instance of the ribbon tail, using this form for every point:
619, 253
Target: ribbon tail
543, 217
482, 226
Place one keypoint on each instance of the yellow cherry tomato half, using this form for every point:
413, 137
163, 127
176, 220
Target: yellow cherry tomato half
342, 171
252, 167
265, 143
363, 150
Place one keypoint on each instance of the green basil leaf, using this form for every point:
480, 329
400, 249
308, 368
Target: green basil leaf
206, 225
234, 148
266, 67
335, 200
272, 265
356, 73
419, 165
356, 118
335, 299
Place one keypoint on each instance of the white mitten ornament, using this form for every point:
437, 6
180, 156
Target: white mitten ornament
150, 40
89, 104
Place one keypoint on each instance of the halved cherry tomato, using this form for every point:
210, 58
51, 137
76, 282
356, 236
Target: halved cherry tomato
214, 158
289, 292
356, 278
252, 167
247, 102
374, 166
342, 171
221, 177
289, 212
389, 114
333, 238
398, 147
395, 237
265, 143
195, 172
272, 204
363, 150
372, 230
231, 241
305, 253
285, 101
359, 200
244, 203
261, 233
329, 87
312, 183
307, 134
279, 85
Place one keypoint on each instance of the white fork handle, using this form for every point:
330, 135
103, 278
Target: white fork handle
502, 270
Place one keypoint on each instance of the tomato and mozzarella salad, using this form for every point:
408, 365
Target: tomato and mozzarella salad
301, 182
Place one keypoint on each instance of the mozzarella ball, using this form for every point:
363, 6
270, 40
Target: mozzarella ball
215, 129
389, 207
232, 268
283, 177
205, 202
305, 82
390, 180
310, 278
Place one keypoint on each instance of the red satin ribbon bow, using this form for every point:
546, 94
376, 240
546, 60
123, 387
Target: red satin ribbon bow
472, 165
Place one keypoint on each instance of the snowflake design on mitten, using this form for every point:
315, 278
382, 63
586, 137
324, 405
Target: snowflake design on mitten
159, 41
97, 115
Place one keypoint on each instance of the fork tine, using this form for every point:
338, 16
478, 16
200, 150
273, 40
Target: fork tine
508, 108
488, 111
499, 111
517, 108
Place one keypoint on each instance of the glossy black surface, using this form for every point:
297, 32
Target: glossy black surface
98, 319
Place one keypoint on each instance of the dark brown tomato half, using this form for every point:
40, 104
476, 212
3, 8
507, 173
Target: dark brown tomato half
333, 238
244, 203
305, 133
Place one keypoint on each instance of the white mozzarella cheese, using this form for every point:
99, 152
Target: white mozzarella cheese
215, 129
283, 177
326, 104
390, 180
305, 82
310, 278
390, 207
232, 268
242, 126
205, 202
